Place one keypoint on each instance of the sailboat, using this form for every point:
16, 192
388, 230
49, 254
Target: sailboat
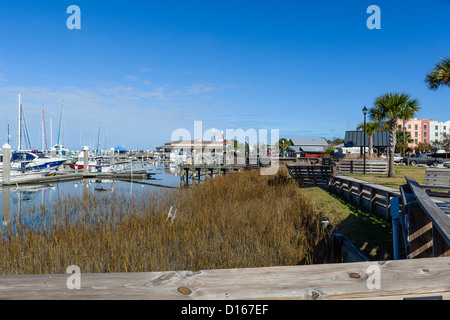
29, 159
60, 150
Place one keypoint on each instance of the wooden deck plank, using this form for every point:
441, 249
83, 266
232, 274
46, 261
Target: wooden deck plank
398, 279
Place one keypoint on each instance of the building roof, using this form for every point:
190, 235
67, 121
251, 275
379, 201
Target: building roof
308, 149
190, 144
309, 142
313, 149
356, 139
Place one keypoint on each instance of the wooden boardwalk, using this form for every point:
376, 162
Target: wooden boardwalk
443, 204
395, 279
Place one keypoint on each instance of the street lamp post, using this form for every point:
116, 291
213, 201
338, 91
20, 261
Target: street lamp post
364, 110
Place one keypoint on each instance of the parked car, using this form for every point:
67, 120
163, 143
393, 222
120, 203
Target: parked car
447, 164
397, 157
423, 159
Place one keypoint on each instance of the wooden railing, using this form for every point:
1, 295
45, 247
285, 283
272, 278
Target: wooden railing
357, 166
428, 229
308, 174
394, 279
372, 196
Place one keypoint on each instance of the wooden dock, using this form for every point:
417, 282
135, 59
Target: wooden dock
71, 176
395, 279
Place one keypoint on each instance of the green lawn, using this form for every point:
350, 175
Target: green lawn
371, 234
417, 173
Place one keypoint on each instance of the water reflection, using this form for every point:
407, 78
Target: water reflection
17, 200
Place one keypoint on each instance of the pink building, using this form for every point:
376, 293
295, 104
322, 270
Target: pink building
419, 130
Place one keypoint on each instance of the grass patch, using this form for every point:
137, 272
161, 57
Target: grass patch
371, 234
233, 221
417, 173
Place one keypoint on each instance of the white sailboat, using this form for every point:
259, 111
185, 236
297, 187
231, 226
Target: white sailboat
29, 159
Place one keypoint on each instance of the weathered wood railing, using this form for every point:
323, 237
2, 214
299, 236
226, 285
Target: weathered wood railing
428, 229
394, 279
308, 174
437, 182
357, 166
372, 196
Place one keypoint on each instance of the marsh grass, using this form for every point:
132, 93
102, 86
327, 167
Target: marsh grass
233, 221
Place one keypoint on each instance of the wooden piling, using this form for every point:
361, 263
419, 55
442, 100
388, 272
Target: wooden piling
6, 163
86, 159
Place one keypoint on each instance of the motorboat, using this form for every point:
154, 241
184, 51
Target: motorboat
34, 160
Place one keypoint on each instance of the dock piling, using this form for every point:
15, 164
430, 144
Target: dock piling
86, 159
6, 163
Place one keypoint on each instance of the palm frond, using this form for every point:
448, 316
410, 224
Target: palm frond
440, 75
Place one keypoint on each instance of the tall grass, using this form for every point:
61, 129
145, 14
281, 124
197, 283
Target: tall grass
233, 221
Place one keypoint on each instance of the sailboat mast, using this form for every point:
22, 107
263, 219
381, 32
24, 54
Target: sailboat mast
44, 135
51, 133
60, 121
19, 146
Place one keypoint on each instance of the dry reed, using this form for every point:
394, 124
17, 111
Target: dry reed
234, 221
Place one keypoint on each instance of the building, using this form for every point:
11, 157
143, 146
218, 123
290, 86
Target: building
438, 130
419, 130
309, 148
185, 146
380, 141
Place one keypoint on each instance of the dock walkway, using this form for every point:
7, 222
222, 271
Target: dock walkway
71, 176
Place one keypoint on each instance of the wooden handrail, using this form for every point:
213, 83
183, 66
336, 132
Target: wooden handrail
439, 219
398, 279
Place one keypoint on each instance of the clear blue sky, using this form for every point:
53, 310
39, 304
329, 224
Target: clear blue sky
141, 69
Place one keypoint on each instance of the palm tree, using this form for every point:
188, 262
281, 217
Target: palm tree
389, 108
440, 75
371, 129
403, 140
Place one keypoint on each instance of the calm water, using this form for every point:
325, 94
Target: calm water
17, 200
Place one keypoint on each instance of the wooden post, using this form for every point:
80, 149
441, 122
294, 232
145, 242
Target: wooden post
440, 247
373, 197
360, 194
6, 163
86, 159
350, 190
6, 205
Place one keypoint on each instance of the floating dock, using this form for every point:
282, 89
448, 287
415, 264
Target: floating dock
71, 176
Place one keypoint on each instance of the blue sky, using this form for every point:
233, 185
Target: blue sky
141, 69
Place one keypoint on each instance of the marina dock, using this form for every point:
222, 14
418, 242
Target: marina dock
70, 176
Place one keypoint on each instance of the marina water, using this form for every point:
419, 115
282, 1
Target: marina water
18, 201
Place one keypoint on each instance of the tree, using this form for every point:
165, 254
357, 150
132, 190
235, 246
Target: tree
445, 141
283, 142
440, 75
371, 129
390, 107
422, 147
403, 142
